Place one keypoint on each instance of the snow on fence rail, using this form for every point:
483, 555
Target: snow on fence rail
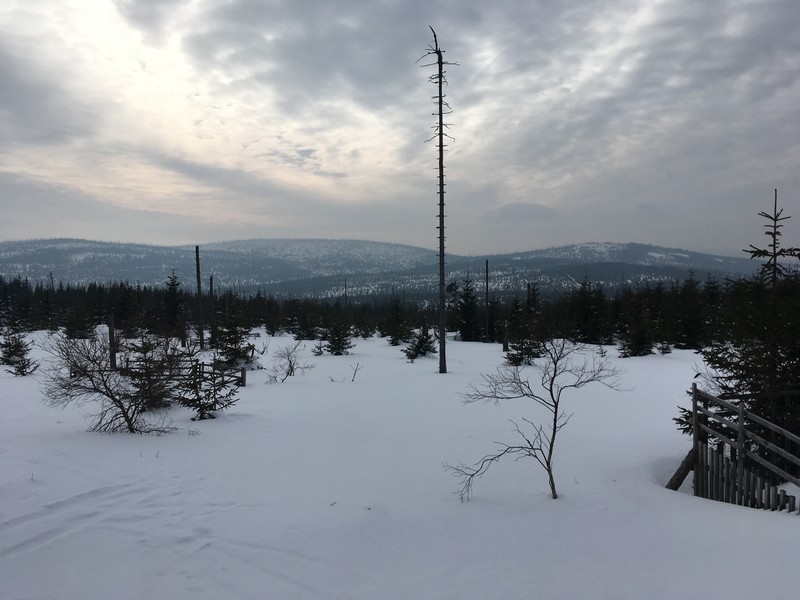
738, 468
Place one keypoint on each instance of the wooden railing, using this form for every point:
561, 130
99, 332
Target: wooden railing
739, 468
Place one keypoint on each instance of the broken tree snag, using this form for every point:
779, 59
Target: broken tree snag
443, 108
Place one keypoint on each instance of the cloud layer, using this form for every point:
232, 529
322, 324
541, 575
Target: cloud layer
667, 122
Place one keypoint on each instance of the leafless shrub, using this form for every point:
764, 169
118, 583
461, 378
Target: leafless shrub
287, 363
81, 373
563, 366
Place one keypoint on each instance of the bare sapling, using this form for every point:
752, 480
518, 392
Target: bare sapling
564, 366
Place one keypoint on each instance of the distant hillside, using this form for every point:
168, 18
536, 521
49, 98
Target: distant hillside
321, 268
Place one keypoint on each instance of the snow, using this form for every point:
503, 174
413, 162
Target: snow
323, 488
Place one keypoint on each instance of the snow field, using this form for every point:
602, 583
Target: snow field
325, 488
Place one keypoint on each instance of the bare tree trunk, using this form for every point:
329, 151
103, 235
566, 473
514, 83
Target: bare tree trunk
486, 306
440, 103
199, 307
112, 342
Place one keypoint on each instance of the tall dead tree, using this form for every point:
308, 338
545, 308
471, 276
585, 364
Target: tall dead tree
199, 306
439, 134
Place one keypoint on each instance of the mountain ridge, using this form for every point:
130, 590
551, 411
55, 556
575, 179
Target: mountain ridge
320, 267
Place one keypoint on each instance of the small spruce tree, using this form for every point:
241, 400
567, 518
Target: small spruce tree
422, 343
469, 318
339, 340
150, 364
395, 326
207, 388
14, 354
231, 338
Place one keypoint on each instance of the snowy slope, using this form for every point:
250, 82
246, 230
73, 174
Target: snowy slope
303, 267
323, 488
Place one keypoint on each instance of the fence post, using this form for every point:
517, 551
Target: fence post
740, 456
696, 442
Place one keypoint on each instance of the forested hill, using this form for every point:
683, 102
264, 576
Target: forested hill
322, 268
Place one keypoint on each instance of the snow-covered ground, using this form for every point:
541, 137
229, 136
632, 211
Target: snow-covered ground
323, 488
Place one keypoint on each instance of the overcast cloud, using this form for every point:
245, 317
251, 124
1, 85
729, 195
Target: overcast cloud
188, 121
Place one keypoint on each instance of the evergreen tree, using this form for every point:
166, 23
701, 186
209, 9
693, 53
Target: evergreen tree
712, 301
690, 319
363, 326
636, 336
762, 354
422, 343
451, 306
395, 325
515, 323
758, 363
469, 319
339, 340
207, 388
175, 318
15, 352
79, 324
304, 321
530, 332
151, 365
231, 336
591, 325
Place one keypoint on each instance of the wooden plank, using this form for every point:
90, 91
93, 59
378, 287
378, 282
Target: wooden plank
698, 462
768, 465
696, 445
780, 430
759, 492
704, 471
749, 496
740, 453
688, 462
724, 464
773, 448
717, 400
731, 482
718, 418
714, 472
717, 435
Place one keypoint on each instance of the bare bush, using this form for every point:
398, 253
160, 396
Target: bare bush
81, 373
563, 366
287, 363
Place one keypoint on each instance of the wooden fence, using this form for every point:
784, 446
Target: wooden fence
738, 468
241, 377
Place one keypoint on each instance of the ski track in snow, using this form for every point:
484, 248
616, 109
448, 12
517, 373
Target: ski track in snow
57, 520
127, 509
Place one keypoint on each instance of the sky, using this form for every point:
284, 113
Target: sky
667, 122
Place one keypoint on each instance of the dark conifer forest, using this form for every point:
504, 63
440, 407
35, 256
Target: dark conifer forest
651, 318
